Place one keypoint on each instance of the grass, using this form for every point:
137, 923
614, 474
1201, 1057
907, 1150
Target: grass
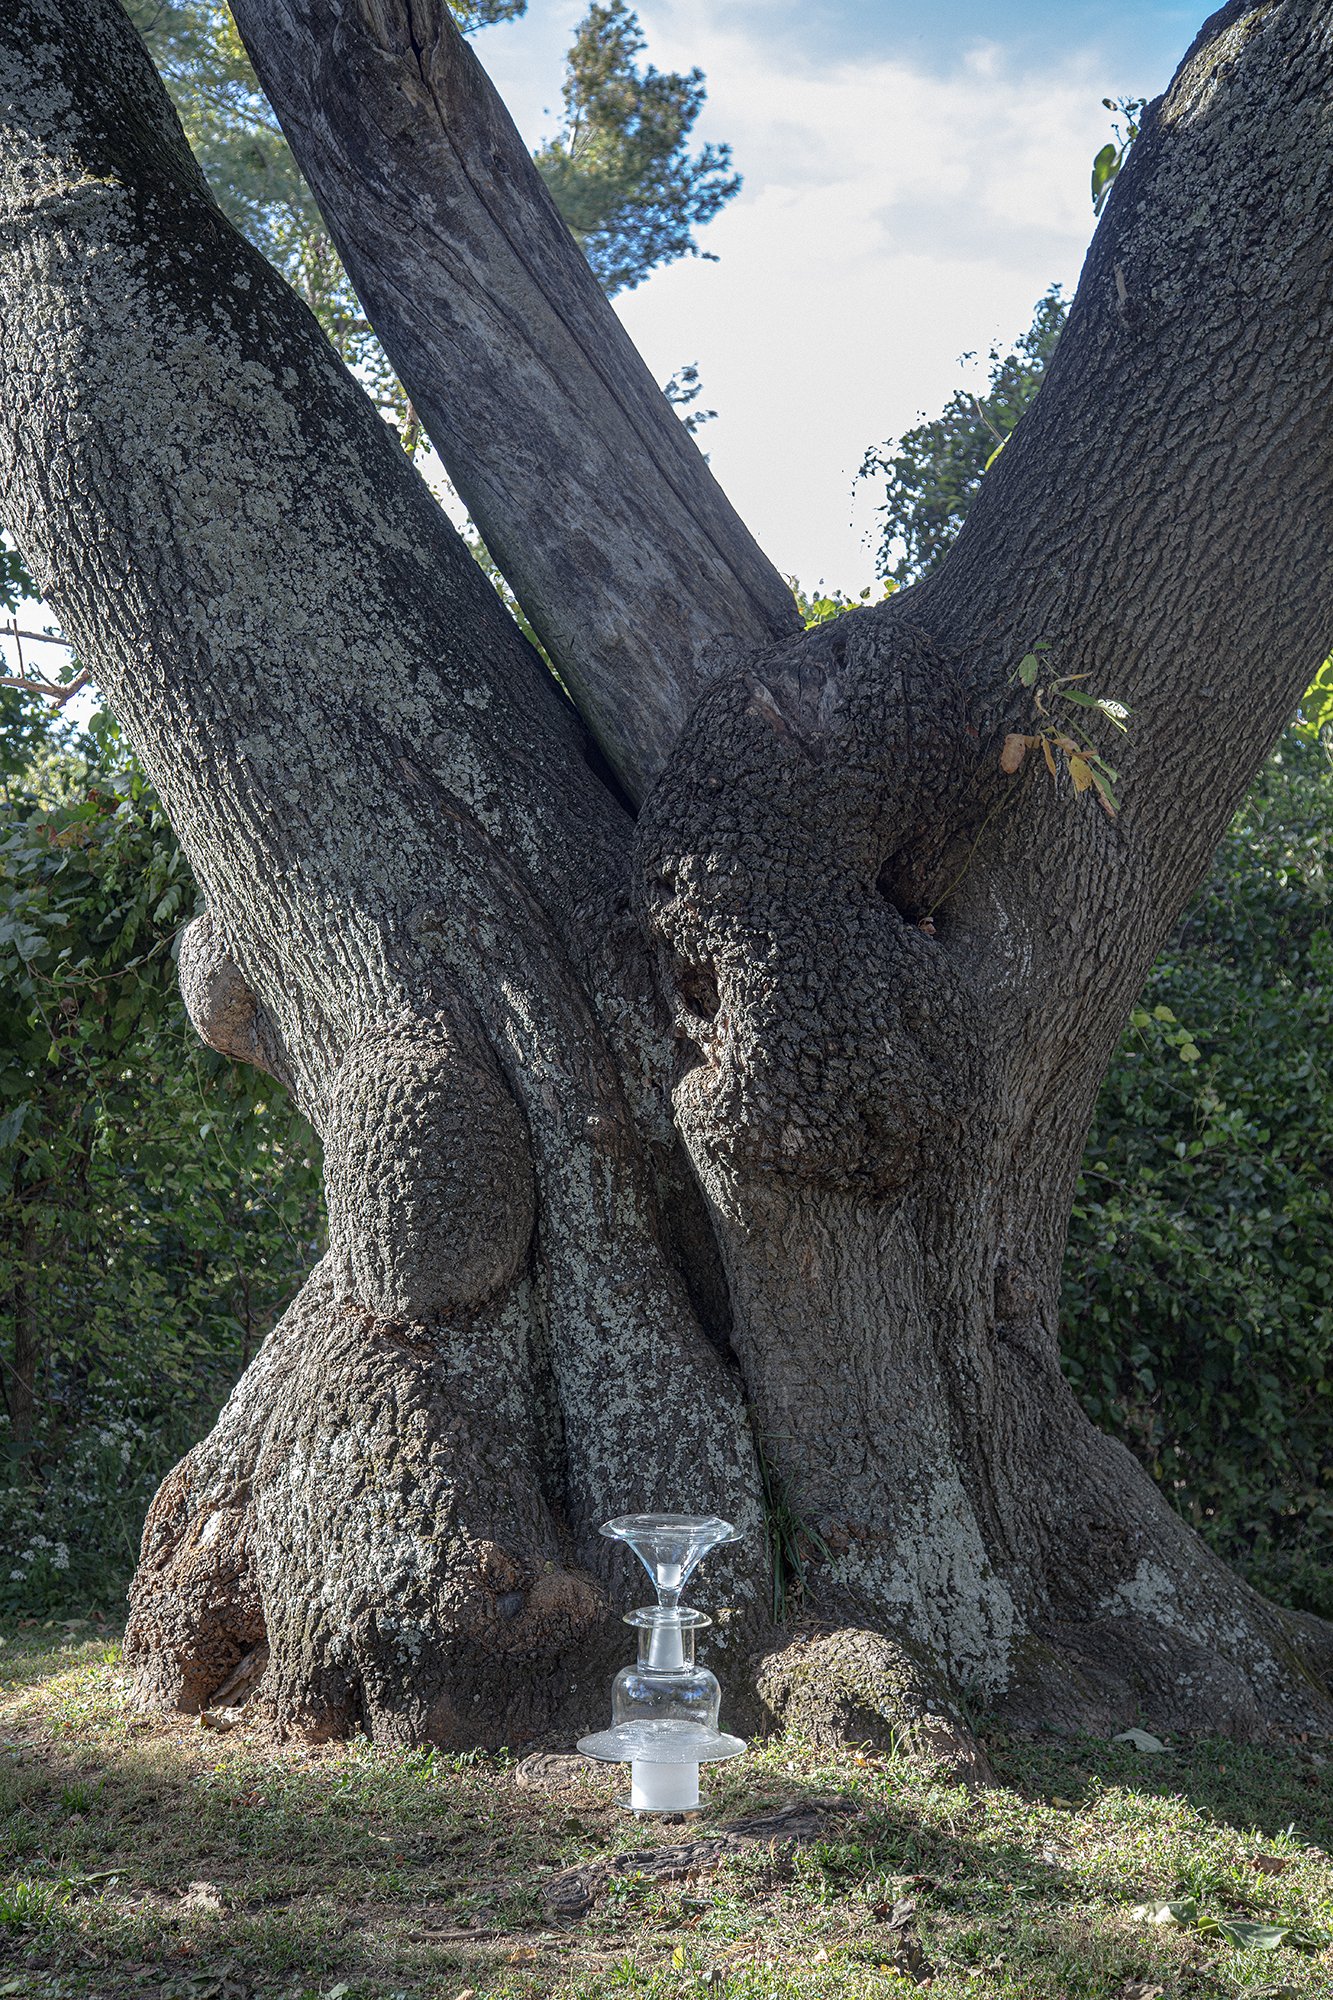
167, 1862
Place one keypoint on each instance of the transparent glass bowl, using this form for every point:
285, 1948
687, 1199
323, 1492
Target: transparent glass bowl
670, 1546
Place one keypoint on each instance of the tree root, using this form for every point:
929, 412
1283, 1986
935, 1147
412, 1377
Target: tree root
849, 1686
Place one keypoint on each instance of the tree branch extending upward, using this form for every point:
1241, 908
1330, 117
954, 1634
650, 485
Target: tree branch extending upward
1163, 515
603, 515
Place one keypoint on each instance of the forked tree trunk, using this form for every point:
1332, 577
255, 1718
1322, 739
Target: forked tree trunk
755, 1120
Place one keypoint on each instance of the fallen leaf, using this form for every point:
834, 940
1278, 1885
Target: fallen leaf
896, 1915
1186, 1912
1139, 1739
1271, 1864
203, 1896
911, 1961
1141, 1989
1012, 752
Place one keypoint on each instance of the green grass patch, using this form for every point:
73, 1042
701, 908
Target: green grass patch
168, 1862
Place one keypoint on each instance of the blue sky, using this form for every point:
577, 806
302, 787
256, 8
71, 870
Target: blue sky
915, 176
1140, 32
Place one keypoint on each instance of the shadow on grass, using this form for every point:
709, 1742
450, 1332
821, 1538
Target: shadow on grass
1268, 1788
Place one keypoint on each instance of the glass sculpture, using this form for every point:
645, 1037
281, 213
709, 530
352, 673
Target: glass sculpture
664, 1708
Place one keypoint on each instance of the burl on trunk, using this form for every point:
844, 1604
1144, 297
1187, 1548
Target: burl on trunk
702, 1069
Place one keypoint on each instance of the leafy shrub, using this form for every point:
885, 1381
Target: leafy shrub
157, 1203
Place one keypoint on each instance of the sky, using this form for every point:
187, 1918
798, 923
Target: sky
915, 176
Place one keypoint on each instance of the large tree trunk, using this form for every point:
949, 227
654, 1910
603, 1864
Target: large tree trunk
644, 1139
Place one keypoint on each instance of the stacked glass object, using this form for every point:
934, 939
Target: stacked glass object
664, 1708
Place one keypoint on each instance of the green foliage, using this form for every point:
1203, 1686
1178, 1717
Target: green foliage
1314, 718
23, 719
825, 605
1111, 158
157, 1203
683, 391
933, 473
1199, 1279
620, 169
15, 583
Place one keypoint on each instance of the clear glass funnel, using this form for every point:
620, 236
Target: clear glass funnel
671, 1546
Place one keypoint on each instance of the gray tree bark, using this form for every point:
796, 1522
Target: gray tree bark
648, 1139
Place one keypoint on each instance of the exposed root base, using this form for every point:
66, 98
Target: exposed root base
849, 1686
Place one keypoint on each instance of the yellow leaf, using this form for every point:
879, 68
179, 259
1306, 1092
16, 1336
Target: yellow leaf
1080, 773
1049, 754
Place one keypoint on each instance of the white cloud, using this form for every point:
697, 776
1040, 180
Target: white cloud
892, 218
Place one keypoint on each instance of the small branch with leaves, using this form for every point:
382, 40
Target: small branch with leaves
1129, 112
1087, 768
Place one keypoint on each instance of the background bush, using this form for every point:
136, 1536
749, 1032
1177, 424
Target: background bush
1199, 1277
157, 1203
